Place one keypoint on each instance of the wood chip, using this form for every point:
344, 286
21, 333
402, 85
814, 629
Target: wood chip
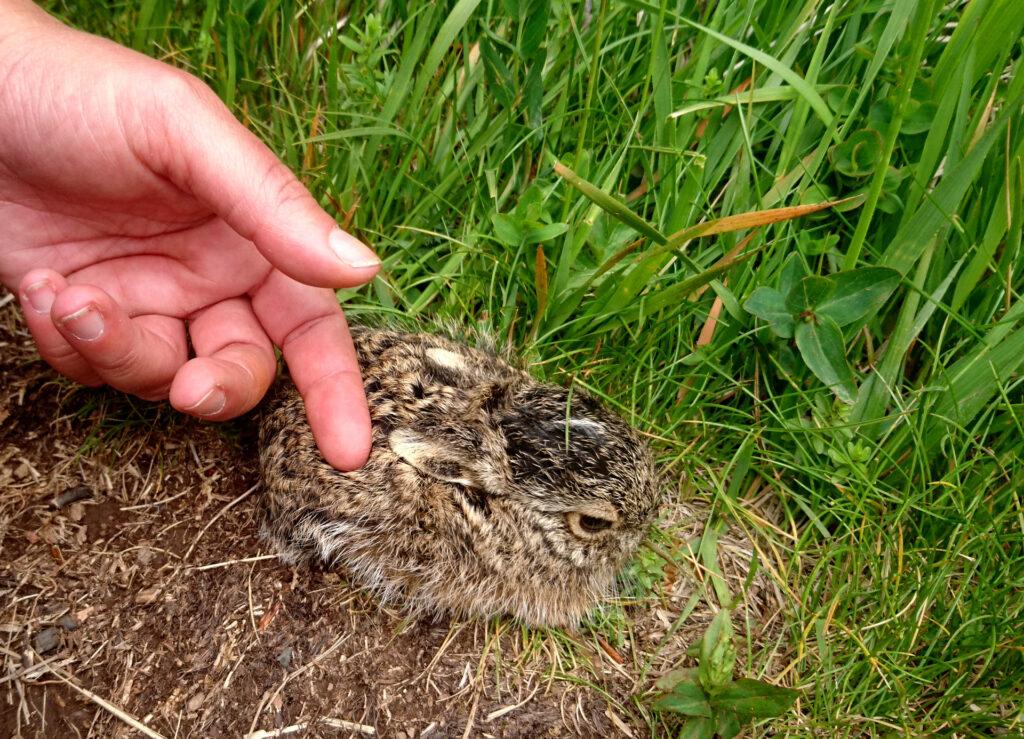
268, 618
619, 723
147, 596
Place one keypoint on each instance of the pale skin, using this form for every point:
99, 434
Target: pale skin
135, 209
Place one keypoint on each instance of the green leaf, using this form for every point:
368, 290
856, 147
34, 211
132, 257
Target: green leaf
813, 246
673, 677
859, 154
717, 653
410, 62
686, 698
535, 26
698, 728
546, 232
821, 345
499, 79
727, 724
661, 81
899, 16
533, 94
707, 553
356, 133
877, 390
807, 294
507, 229
920, 117
752, 699
858, 294
769, 305
679, 292
793, 270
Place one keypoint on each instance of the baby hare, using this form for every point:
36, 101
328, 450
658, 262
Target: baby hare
485, 492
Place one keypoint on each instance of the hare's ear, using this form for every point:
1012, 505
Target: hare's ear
447, 367
444, 461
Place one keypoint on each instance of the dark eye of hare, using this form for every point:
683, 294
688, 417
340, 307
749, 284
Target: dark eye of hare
593, 524
585, 525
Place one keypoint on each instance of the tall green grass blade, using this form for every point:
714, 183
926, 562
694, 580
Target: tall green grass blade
933, 214
807, 91
974, 380
899, 16
919, 35
610, 205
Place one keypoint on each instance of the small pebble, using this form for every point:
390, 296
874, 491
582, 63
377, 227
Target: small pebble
47, 640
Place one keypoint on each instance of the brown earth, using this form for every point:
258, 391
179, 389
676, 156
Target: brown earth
152, 599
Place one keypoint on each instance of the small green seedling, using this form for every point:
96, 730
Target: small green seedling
814, 309
716, 705
528, 222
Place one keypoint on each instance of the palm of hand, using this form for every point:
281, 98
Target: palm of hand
135, 208
172, 266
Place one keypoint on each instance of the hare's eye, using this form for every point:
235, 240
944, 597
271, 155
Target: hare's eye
586, 525
593, 524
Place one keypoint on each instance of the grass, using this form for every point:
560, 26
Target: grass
523, 167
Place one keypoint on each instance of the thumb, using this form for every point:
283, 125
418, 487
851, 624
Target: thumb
207, 152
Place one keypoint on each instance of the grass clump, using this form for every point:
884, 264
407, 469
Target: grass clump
544, 169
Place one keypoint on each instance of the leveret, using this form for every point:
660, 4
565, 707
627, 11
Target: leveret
486, 491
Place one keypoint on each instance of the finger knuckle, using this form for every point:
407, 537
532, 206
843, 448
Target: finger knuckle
178, 89
282, 189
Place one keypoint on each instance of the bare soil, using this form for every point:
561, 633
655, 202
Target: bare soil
152, 599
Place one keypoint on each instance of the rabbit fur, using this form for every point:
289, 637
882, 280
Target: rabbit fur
485, 491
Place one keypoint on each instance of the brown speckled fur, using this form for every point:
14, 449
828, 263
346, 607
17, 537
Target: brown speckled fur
470, 501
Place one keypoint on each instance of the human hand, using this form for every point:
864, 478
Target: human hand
134, 207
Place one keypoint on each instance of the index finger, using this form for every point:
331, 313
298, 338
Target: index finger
308, 325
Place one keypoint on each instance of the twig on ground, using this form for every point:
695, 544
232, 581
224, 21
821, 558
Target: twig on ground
155, 503
44, 666
291, 676
105, 705
226, 563
216, 517
472, 715
508, 709
334, 723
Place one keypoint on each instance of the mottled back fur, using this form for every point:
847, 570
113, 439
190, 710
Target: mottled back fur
486, 491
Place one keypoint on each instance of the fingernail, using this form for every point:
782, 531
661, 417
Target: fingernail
352, 251
210, 404
85, 324
40, 296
